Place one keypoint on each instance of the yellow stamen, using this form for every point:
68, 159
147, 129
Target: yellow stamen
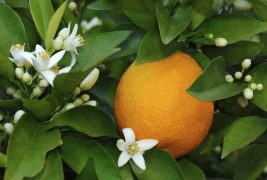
132, 148
45, 55
55, 69
80, 39
18, 46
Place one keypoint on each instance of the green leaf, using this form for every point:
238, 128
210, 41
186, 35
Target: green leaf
77, 151
152, 48
232, 27
201, 10
201, 58
211, 85
234, 53
103, 5
27, 148
3, 158
52, 169
141, 12
242, 132
259, 76
259, 7
17, 3
159, 165
10, 103
251, 162
40, 109
6, 67
31, 32
191, 171
88, 120
42, 11
171, 26
53, 24
12, 30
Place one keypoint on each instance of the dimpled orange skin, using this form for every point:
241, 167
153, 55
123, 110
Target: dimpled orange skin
151, 99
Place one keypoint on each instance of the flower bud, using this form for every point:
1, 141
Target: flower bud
37, 91
11, 91
248, 78
253, 86
72, 6
78, 102
259, 87
91, 103
220, 42
92, 23
43, 83
18, 115
218, 149
242, 102
64, 33
210, 36
9, 128
69, 106
242, 5
246, 63
90, 80
229, 78
85, 97
58, 42
19, 73
77, 91
248, 93
238, 75
26, 77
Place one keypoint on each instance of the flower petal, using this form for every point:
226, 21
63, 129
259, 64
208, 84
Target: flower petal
74, 31
139, 160
129, 135
49, 76
124, 158
28, 56
56, 58
147, 144
121, 144
38, 49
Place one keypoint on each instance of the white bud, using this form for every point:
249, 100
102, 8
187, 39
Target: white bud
19, 73
90, 80
78, 102
85, 97
242, 5
64, 33
9, 128
242, 102
26, 77
238, 75
218, 149
248, 78
43, 83
210, 36
77, 91
91, 103
229, 78
18, 115
37, 91
11, 91
246, 63
1, 117
253, 86
72, 6
220, 42
69, 106
58, 42
259, 87
248, 93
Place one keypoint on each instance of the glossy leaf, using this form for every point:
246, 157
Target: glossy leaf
201, 10
159, 165
53, 25
141, 12
191, 171
234, 53
211, 85
259, 76
11, 24
152, 48
171, 26
242, 132
18, 3
6, 67
10, 103
259, 7
27, 147
86, 119
232, 27
103, 5
201, 58
41, 11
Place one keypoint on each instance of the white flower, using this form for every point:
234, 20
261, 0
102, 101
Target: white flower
73, 40
72, 6
9, 128
65, 32
91, 103
220, 42
229, 78
238, 75
130, 148
242, 5
18, 115
246, 63
58, 42
17, 58
248, 93
90, 80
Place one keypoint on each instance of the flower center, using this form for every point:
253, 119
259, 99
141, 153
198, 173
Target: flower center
18, 46
132, 148
45, 55
80, 38
55, 69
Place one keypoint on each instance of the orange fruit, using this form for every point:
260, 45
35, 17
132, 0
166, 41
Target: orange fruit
151, 99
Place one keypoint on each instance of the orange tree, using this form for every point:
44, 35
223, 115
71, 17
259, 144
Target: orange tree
191, 106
